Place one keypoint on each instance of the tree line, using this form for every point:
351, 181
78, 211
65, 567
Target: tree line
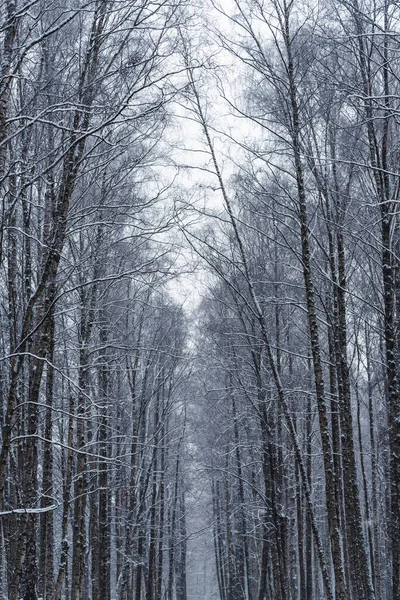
92, 369
301, 325
284, 381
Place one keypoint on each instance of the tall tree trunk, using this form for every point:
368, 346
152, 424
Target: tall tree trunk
63, 565
359, 568
46, 537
